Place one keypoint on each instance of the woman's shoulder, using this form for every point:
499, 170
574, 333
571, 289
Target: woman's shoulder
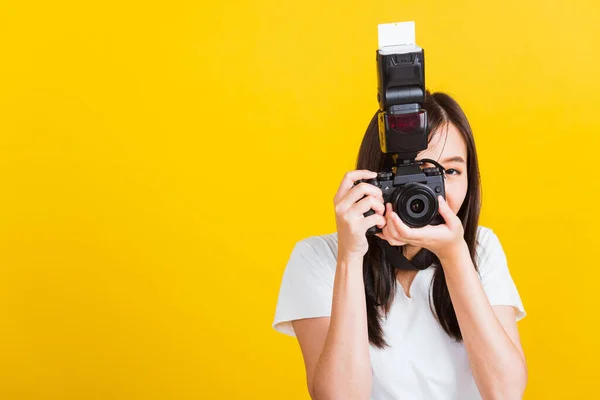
483, 234
322, 248
314, 259
322, 244
487, 242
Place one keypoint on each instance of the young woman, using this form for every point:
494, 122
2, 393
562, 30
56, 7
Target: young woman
368, 330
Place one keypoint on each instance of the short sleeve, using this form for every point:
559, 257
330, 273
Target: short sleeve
306, 289
495, 276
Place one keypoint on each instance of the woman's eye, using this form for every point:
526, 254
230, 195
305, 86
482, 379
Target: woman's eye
452, 171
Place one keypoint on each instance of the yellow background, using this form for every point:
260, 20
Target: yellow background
159, 161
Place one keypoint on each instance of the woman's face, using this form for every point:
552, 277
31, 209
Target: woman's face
449, 149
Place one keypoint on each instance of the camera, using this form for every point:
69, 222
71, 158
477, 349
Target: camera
402, 123
413, 193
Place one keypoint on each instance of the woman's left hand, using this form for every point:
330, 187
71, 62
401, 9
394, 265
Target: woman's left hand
444, 240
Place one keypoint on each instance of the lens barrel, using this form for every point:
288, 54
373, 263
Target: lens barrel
416, 204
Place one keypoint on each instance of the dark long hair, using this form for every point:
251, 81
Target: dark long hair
379, 275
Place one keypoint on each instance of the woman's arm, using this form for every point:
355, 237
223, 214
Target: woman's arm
490, 334
336, 349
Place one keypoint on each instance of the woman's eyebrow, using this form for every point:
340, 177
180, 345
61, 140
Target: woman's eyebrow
453, 159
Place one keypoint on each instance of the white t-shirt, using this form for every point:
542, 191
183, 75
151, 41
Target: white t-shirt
422, 361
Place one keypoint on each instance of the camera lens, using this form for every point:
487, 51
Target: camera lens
417, 206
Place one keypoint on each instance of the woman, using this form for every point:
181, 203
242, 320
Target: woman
367, 329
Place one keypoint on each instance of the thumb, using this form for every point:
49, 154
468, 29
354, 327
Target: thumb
446, 212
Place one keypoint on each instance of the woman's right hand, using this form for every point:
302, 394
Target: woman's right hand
350, 206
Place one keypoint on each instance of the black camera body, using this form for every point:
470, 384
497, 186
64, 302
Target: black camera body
413, 192
403, 132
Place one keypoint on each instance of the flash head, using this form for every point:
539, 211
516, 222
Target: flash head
402, 121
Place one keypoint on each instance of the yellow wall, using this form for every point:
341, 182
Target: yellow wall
159, 161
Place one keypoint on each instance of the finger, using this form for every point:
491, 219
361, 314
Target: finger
366, 204
371, 221
389, 230
446, 212
404, 231
357, 193
393, 242
348, 182
427, 232
382, 202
